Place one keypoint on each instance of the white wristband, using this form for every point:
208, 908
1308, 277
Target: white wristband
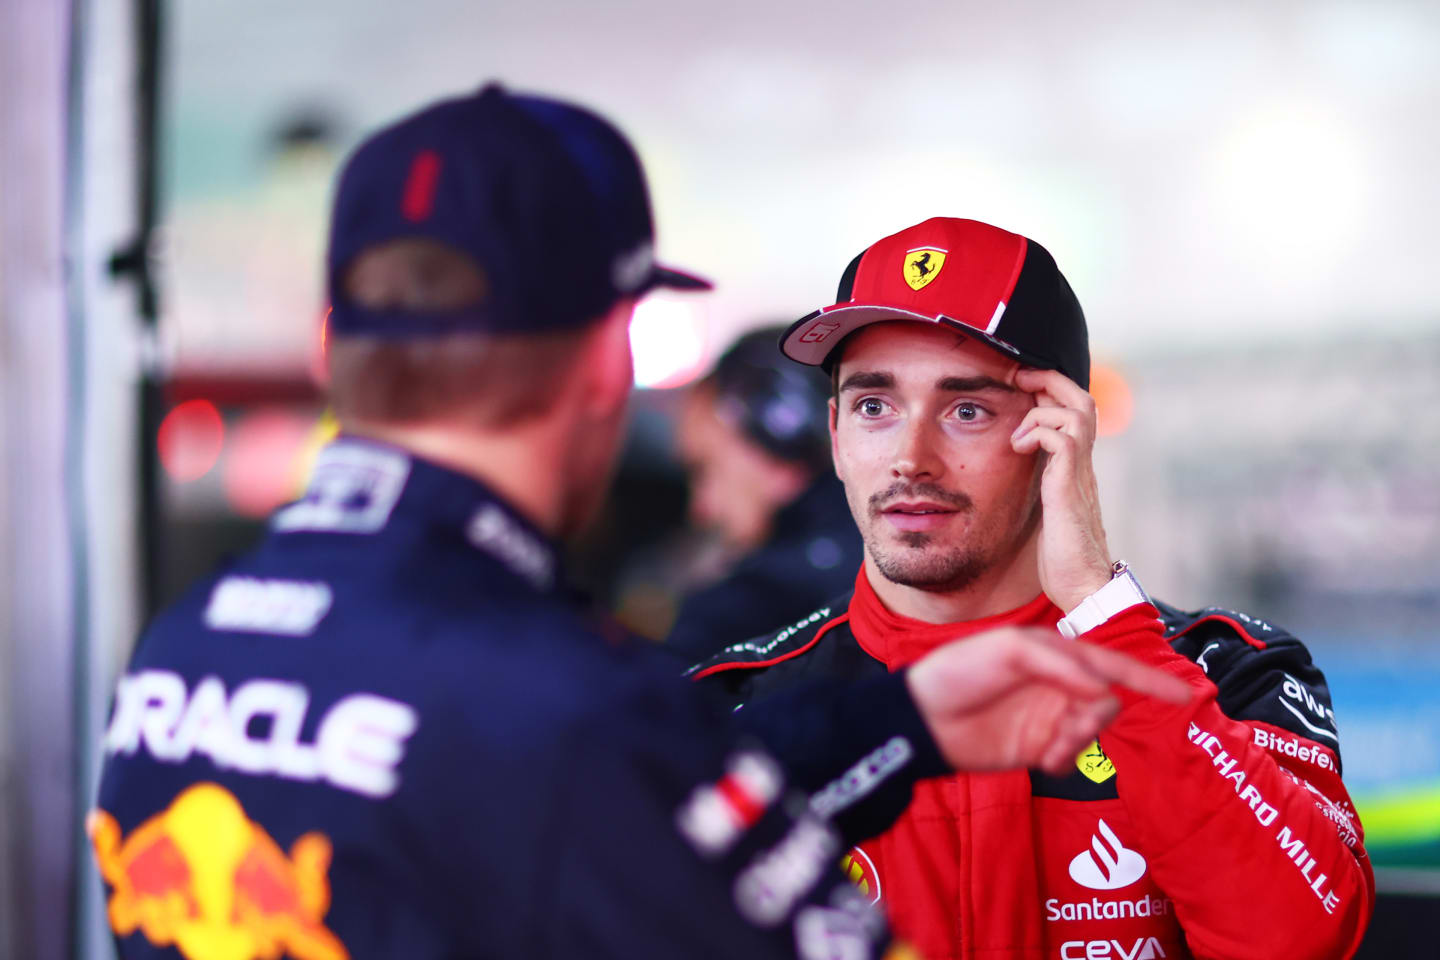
1121, 593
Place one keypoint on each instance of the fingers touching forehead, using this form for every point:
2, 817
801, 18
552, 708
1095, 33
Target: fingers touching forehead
919, 355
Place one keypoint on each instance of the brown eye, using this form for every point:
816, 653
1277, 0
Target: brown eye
871, 407
967, 412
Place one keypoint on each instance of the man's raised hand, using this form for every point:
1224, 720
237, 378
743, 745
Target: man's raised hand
1074, 557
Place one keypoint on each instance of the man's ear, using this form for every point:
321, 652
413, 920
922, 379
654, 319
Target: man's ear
834, 438
609, 366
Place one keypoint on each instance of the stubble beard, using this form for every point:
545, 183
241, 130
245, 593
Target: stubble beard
934, 570
922, 560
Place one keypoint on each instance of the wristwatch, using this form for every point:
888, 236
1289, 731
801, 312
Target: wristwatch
1122, 592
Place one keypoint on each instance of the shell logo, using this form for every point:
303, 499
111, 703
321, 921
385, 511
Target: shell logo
860, 870
203, 877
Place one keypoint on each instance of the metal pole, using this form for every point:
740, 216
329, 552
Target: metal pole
37, 753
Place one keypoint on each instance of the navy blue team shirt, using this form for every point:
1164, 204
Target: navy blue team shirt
389, 731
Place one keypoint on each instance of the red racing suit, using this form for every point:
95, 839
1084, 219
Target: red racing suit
1217, 829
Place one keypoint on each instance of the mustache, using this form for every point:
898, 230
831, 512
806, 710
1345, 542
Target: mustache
901, 490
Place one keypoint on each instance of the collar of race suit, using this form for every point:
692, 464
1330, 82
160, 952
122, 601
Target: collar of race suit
898, 641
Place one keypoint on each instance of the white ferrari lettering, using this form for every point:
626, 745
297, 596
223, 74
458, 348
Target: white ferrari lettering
256, 728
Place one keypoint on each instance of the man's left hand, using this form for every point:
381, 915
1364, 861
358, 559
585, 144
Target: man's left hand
1074, 558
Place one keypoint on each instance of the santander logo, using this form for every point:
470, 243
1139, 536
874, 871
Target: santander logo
1107, 865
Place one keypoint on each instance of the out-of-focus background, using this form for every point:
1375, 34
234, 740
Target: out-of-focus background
1243, 196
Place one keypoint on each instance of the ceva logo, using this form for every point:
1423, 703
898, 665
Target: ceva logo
1107, 865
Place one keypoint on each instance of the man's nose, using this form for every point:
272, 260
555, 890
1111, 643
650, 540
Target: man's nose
916, 454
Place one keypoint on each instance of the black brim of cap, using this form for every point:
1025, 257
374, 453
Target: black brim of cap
674, 279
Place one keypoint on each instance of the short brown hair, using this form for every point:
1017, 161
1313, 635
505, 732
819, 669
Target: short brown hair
482, 380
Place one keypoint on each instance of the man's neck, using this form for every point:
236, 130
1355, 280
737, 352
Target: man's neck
1006, 585
516, 464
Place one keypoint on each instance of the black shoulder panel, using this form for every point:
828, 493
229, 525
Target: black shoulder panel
1262, 672
771, 647
806, 652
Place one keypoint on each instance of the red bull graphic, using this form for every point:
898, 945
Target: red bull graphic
203, 877
860, 869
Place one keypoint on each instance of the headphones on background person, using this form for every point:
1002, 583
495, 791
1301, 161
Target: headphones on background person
779, 404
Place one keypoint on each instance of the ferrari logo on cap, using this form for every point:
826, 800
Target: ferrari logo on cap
923, 265
1094, 764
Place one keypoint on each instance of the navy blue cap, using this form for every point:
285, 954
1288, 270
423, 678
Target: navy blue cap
780, 405
547, 198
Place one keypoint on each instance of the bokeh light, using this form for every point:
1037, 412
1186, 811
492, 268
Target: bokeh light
667, 336
190, 439
260, 467
1114, 403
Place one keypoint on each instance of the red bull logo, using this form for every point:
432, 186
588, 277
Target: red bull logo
203, 877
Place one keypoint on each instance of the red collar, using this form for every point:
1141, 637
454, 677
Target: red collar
898, 641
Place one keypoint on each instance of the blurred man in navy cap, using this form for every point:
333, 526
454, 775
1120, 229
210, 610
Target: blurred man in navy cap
754, 439
389, 731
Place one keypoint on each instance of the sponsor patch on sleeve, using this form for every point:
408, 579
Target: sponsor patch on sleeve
716, 814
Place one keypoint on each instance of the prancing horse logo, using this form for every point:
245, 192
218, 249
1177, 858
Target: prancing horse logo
923, 265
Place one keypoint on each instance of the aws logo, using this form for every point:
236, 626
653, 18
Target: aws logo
860, 869
203, 877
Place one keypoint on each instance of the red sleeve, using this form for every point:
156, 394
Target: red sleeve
1246, 827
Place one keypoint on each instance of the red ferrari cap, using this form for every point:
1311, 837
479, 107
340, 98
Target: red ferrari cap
998, 287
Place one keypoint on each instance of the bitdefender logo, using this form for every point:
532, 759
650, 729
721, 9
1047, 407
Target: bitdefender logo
1107, 865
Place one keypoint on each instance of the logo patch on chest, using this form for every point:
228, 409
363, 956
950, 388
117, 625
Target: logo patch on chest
860, 870
1093, 762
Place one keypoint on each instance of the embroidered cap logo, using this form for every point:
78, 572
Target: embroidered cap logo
922, 265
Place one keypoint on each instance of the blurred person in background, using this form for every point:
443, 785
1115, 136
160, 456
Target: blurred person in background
756, 448
392, 731
962, 430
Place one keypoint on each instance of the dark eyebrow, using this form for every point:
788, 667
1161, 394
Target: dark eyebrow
972, 384
868, 380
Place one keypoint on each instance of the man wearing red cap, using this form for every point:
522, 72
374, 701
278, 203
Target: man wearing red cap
962, 430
